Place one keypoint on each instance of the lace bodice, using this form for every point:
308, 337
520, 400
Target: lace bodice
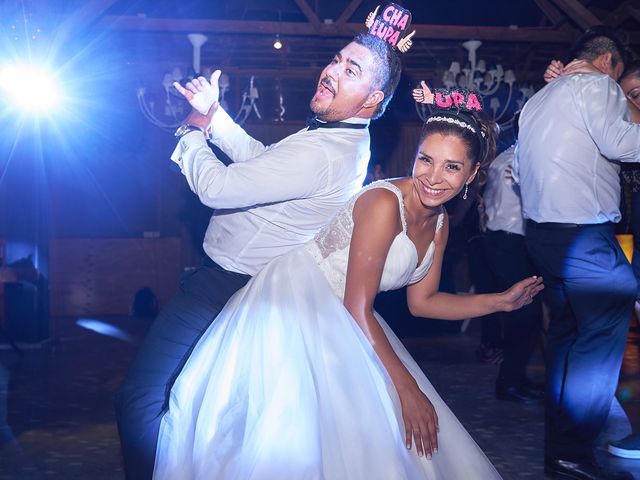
330, 248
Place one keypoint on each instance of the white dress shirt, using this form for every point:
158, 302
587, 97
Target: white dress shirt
502, 196
571, 134
271, 198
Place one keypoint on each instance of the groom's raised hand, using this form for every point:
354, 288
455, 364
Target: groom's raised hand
201, 94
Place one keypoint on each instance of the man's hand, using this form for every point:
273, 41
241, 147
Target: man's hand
202, 95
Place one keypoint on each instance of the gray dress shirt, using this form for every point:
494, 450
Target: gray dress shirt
573, 134
502, 196
271, 198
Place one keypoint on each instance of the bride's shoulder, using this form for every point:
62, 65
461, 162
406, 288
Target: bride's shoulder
380, 191
377, 195
382, 199
396, 185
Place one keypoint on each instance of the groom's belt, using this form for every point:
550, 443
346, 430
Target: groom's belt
207, 262
560, 226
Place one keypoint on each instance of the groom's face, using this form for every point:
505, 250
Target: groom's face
346, 86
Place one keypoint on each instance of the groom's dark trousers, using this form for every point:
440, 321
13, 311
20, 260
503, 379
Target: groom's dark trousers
143, 396
590, 290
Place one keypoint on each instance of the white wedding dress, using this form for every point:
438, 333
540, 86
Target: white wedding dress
285, 386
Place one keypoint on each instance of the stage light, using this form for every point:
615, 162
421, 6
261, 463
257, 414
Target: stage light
29, 88
277, 44
626, 243
104, 328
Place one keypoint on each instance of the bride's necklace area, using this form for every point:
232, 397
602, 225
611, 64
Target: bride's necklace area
419, 221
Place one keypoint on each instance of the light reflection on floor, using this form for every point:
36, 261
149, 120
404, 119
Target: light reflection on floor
60, 421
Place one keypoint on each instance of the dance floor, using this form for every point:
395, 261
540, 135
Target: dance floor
57, 420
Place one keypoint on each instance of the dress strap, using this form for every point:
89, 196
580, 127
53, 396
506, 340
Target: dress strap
398, 192
440, 221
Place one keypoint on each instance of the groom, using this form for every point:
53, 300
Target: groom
268, 201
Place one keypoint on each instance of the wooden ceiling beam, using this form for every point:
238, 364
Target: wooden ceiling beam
82, 17
578, 13
346, 14
423, 32
617, 16
551, 12
304, 72
309, 13
287, 72
634, 12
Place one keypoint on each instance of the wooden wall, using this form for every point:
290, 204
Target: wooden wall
101, 276
99, 257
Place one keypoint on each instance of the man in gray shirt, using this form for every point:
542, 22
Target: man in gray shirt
573, 135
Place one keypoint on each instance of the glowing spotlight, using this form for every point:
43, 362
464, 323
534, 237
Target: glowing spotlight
104, 328
30, 88
277, 44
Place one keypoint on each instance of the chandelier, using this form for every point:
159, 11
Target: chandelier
496, 85
166, 108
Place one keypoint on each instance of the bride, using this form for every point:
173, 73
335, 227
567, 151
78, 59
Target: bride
299, 378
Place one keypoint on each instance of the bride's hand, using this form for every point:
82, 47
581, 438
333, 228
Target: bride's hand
420, 420
553, 71
580, 66
520, 294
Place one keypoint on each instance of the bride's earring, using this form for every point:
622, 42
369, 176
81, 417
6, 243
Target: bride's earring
466, 189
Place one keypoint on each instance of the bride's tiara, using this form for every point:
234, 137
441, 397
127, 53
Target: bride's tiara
460, 123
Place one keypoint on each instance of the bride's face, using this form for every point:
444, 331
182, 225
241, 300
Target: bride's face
441, 169
631, 87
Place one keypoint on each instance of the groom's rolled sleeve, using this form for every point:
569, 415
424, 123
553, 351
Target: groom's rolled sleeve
297, 168
231, 138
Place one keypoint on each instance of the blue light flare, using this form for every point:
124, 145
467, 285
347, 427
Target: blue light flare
104, 328
30, 88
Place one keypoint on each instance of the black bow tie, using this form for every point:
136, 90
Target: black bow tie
314, 123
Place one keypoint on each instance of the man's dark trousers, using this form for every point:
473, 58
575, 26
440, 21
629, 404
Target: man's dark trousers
143, 396
590, 289
509, 261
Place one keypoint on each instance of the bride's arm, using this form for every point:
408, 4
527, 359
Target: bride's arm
377, 221
424, 299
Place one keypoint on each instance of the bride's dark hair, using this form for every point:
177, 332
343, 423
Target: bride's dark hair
480, 142
478, 134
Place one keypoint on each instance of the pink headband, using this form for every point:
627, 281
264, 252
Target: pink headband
456, 106
391, 26
458, 99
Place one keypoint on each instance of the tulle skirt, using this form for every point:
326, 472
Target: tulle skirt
284, 385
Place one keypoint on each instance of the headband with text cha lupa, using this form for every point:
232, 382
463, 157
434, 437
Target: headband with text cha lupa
391, 25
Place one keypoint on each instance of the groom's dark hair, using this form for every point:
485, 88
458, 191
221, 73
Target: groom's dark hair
598, 40
387, 68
